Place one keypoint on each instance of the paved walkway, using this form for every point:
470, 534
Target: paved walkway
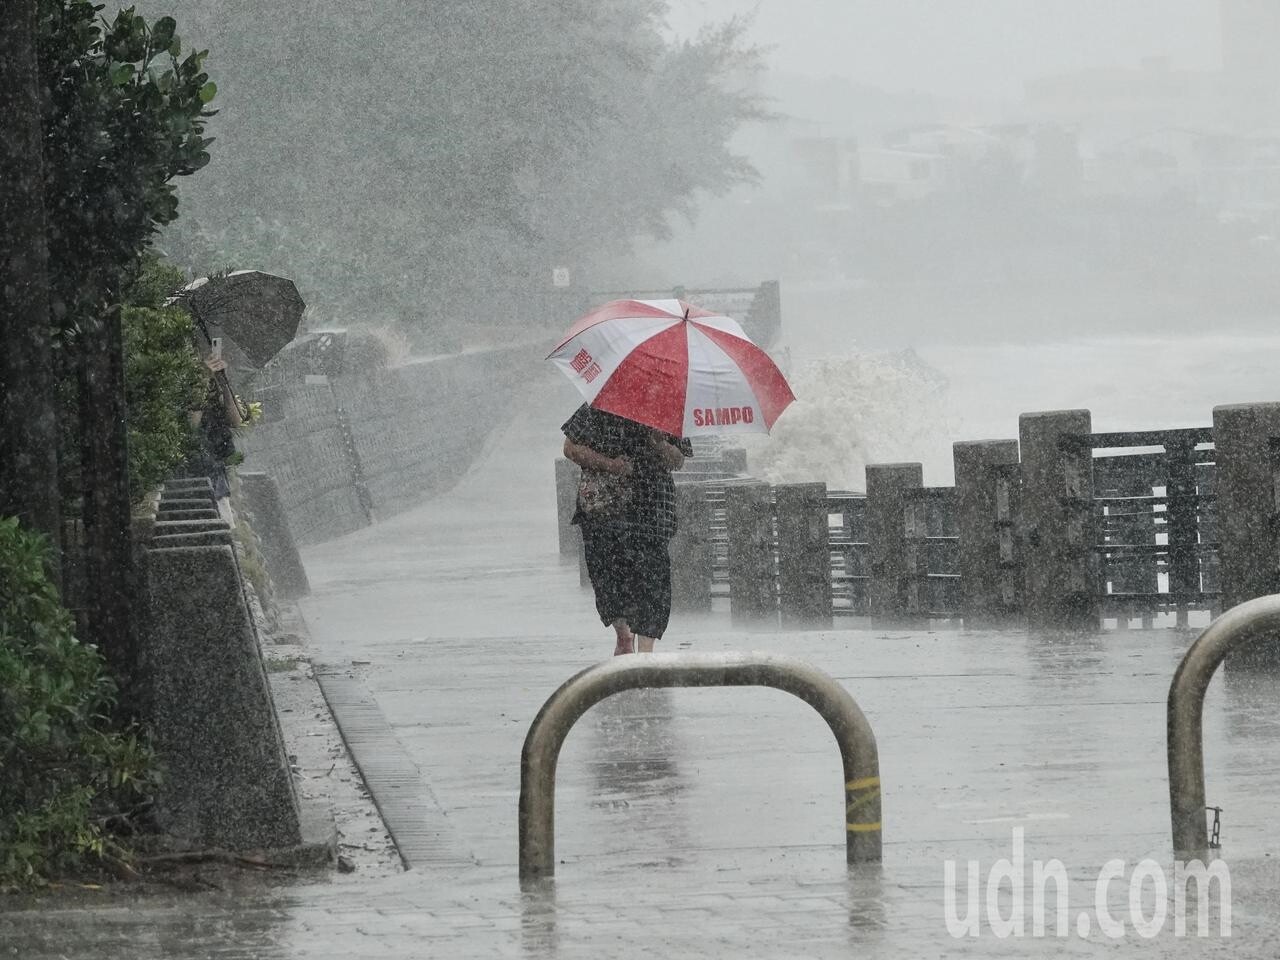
708, 823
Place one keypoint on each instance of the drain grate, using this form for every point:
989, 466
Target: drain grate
414, 818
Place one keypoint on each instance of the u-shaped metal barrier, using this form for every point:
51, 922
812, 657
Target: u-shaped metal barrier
1237, 627
566, 706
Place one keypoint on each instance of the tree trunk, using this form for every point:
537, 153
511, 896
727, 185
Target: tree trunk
28, 413
104, 458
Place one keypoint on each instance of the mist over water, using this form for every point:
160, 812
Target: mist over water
984, 209
978, 48
867, 406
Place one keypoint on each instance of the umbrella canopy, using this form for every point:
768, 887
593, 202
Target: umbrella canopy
260, 312
674, 367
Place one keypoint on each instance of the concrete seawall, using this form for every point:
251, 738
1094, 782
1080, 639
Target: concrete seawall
358, 446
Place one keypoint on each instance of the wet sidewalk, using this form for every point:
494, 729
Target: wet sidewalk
710, 823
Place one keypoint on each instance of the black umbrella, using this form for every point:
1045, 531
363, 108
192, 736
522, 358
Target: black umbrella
258, 311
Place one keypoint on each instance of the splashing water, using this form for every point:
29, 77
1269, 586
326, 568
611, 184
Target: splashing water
854, 410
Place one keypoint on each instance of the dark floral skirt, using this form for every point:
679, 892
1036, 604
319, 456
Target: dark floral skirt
631, 576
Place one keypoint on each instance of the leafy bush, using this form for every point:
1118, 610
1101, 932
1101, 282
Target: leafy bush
124, 115
67, 774
163, 377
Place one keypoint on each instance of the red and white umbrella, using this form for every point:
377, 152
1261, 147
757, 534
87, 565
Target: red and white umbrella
674, 367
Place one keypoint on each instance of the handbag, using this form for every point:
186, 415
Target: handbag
603, 495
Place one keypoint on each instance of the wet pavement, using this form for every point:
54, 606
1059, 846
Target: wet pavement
697, 823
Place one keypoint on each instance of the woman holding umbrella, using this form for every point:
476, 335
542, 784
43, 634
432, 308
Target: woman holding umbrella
626, 511
654, 372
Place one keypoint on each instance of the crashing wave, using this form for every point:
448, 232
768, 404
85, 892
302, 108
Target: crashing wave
851, 411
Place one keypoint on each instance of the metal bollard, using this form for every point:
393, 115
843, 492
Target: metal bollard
1241, 625
577, 695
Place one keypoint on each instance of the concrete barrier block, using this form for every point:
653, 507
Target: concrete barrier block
1245, 484
228, 782
692, 552
1058, 530
977, 515
888, 589
804, 556
753, 594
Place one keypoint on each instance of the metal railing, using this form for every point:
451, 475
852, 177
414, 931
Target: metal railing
1241, 625
566, 706
1131, 519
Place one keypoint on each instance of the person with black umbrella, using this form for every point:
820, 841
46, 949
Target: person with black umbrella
262, 313
214, 421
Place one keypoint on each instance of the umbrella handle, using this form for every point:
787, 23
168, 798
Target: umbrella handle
220, 375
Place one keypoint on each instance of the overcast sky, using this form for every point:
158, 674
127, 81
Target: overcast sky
968, 48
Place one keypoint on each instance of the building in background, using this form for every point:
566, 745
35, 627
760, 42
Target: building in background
1109, 105
1251, 59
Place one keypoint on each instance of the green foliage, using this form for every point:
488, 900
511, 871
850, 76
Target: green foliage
124, 111
443, 175
124, 115
163, 377
66, 771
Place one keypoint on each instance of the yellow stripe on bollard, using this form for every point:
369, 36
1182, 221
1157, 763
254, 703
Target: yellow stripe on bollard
862, 794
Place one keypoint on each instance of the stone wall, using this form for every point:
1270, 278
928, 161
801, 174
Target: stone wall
227, 780
301, 443
363, 444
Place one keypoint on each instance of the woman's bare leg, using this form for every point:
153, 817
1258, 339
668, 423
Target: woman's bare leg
626, 641
644, 644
